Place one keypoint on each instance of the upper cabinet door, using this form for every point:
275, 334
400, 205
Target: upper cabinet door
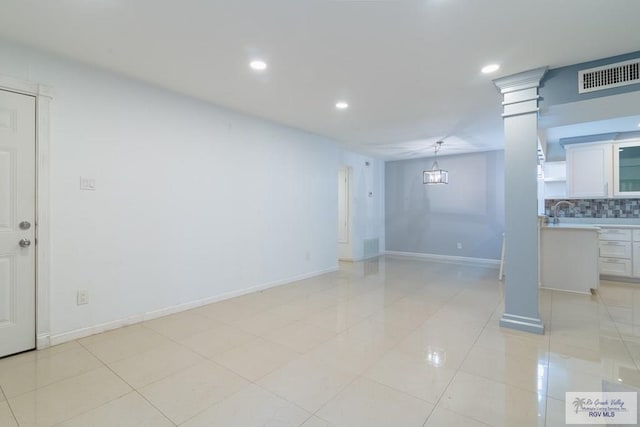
589, 170
626, 168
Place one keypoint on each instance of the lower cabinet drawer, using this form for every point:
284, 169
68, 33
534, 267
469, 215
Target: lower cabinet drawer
615, 266
623, 234
613, 249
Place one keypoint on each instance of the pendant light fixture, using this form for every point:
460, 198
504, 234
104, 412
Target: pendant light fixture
436, 175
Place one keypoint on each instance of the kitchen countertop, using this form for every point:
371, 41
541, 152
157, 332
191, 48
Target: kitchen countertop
571, 226
634, 226
602, 222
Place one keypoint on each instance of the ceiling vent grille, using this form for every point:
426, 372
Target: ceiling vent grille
612, 75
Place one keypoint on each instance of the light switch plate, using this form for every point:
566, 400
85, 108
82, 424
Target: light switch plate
87, 183
83, 297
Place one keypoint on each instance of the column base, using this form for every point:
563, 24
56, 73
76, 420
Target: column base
521, 323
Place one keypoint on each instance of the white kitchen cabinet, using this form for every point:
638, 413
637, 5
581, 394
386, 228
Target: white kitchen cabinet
626, 168
569, 258
636, 258
589, 170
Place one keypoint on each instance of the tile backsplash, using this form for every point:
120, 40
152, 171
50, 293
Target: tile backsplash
597, 208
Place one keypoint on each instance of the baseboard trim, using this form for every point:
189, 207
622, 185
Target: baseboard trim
565, 290
522, 323
95, 329
138, 318
446, 258
378, 255
43, 341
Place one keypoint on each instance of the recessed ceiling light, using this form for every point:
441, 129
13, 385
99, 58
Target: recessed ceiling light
258, 65
491, 68
341, 105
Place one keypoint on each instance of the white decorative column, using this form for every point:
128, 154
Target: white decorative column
520, 115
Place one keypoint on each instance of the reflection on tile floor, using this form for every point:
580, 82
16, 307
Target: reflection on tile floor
386, 342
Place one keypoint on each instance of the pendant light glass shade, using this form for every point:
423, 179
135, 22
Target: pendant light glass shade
435, 175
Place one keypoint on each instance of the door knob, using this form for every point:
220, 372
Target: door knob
24, 243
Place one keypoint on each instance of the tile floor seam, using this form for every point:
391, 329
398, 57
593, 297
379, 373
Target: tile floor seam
624, 342
356, 377
6, 400
546, 402
58, 381
286, 400
241, 375
134, 389
182, 345
170, 338
154, 407
314, 416
426, 420
495, 382
458, 369
385, 386
455, 412
92, 409
76, 415
210, 406
36, 350
180, 371
126, 357
398, 390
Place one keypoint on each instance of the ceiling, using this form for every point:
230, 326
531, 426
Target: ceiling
410, 70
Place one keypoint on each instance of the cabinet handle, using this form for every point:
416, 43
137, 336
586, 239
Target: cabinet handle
614, 261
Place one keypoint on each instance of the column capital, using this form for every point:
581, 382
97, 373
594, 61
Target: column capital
520, 81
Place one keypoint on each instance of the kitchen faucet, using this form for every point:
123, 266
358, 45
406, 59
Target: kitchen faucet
554, 209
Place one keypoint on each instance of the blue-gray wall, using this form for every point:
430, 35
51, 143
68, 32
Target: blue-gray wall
560, 85
432, 219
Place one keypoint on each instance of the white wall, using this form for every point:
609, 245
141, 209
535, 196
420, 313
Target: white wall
367, 213
433, 219
192, 200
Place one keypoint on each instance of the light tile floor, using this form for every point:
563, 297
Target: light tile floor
387, 342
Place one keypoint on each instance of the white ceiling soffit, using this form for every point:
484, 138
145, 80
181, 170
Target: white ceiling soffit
612, 128
410, 69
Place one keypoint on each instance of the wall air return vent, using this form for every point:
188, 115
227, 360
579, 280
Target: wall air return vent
612, 75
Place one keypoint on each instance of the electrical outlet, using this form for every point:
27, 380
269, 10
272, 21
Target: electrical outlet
87, 183
83, 297
459, 245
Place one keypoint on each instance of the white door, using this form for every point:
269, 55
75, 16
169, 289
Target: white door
17, 222
343, 205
